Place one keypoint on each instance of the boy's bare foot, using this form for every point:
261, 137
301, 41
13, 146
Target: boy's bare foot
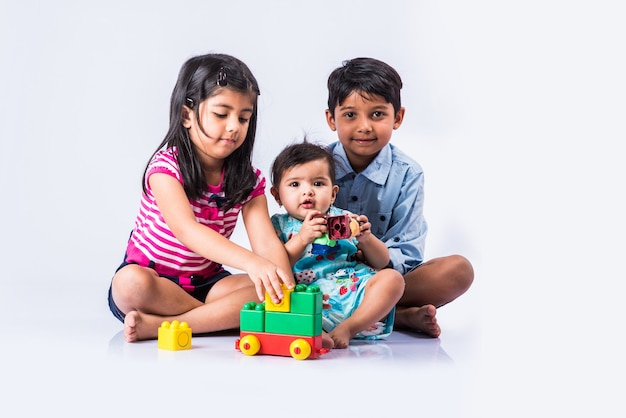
423, 319
138, 326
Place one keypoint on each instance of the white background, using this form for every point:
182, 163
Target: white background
515, 110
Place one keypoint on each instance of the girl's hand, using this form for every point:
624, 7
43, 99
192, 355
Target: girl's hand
266, 276
313, 227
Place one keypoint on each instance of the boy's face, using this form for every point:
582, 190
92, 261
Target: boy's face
305, 187
364, 126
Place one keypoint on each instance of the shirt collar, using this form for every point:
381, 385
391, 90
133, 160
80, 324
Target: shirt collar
377, 171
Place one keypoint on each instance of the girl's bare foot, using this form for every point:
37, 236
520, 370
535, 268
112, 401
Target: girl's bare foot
130, 326
139, 326
423, 319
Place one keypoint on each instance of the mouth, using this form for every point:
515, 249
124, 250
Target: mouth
364, 140
308, 204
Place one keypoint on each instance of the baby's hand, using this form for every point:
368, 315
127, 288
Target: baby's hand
313, 227
325, 304
364, 227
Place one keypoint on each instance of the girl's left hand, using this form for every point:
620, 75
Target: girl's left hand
266, 276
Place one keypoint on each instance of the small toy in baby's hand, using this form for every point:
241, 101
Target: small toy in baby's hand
339, 227
342, 227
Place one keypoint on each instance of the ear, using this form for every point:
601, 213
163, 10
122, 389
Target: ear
334, 195
330, 120
274, 192
185, 116
399, 118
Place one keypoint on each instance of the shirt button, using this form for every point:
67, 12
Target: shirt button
354, 198
382, 217
396, 239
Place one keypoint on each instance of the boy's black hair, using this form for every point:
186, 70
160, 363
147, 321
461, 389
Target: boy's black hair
199, 78
367, 76
300, 153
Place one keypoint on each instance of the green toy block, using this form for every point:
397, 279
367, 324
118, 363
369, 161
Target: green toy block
306, 301
293, 324
252, 317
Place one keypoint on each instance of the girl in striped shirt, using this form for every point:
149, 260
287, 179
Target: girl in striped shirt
194, 186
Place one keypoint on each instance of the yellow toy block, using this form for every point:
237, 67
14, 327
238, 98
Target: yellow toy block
283, 306
174, 336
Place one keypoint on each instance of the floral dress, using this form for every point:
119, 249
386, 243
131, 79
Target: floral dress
336, 271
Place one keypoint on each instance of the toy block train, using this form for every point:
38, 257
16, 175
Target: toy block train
292, 327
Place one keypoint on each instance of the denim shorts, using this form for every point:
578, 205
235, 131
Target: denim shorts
196, 286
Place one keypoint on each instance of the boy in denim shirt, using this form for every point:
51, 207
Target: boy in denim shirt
376, 179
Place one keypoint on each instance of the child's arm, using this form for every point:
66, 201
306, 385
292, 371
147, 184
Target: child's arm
263, 238
313, 226
374, 250
178, 214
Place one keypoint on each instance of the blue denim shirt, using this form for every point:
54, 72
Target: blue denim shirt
390, 192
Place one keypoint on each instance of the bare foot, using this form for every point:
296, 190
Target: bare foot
139, 326
341, 336
423, 319
327, 342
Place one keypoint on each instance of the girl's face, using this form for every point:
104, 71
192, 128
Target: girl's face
364, 126
304, 188
224, 120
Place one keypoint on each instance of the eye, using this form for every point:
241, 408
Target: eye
219, 115
378, 114
294, 184
349, 115
318, 183
243, 120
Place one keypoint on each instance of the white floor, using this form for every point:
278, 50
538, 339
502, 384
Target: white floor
74, 361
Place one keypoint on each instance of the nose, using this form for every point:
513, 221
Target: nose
365, 125
232, 125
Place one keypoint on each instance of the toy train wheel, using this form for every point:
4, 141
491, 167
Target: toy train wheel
249, 345
300, 349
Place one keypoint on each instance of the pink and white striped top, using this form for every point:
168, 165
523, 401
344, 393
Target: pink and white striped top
153, 241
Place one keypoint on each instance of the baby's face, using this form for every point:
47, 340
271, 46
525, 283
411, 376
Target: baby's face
307, 187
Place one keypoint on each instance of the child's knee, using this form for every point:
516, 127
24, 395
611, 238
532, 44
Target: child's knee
131, 280
388, 278
463, 271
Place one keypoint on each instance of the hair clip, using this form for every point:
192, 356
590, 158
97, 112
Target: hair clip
189, 102
221, 77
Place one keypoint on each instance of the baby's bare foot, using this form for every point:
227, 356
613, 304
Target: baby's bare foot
327, 342
341, 336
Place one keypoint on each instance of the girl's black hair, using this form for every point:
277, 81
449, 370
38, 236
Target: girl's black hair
367, 76
300, 153
199, 78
